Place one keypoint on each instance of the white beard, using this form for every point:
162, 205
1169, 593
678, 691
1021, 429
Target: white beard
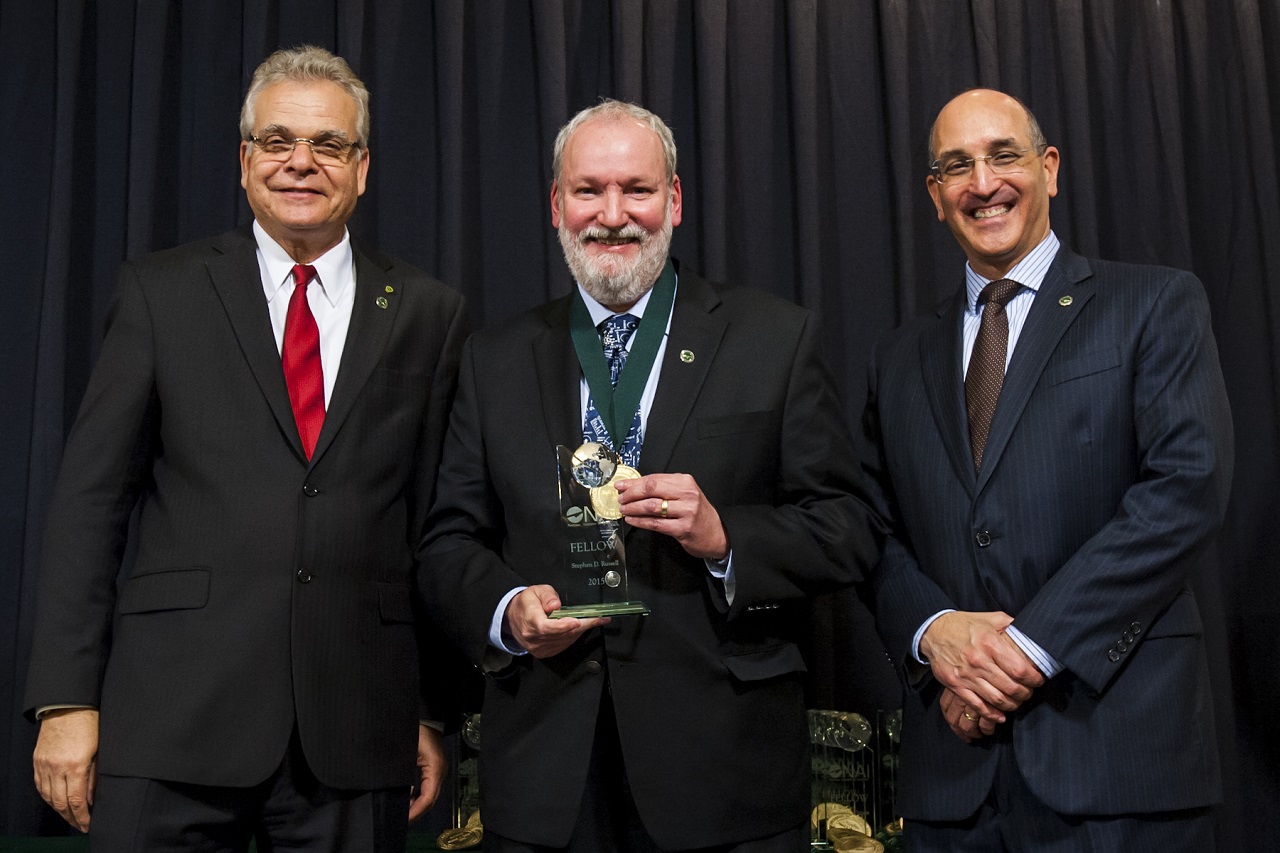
611, 280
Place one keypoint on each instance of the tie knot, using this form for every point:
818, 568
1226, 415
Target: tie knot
303, 274
615, 331
999, 292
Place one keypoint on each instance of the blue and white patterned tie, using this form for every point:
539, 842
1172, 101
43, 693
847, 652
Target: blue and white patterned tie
615, 331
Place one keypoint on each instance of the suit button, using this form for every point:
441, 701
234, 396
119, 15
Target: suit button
983, 538
593, 666
310, 490
1135, 628
1127, 637
1113, 656
1122, 647
304, 576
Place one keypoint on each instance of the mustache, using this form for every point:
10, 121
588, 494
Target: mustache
630, 231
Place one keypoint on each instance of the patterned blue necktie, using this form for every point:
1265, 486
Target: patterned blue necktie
615, 331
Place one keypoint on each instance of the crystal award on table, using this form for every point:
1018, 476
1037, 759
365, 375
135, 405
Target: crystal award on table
593, 581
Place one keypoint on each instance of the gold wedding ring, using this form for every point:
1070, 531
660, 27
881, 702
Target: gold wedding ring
662, 508
970, 717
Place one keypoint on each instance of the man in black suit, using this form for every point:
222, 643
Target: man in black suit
272, 401
1054, 450
684, 728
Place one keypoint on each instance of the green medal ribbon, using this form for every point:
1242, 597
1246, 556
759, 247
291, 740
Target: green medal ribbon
617, 406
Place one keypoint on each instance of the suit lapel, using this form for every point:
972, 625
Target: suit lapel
559, 376
238, 281
1066, 289
696, 328
940, 358
367, 336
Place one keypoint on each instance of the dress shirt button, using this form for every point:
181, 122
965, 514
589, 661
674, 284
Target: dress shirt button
983, 538
310, 490
1113, 656
593, 666
304, 576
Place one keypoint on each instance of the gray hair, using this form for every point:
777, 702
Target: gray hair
608, 108
306, 64
1038, 142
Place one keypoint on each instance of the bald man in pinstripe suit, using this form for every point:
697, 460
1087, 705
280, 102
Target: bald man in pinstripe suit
1035, 593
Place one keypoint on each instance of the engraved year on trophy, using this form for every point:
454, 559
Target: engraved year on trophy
594, 579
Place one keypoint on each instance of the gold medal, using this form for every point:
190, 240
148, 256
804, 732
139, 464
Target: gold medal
460, 838
604, 498
827, 812
594, 464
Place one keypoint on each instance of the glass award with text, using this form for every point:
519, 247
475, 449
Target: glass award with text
594, 578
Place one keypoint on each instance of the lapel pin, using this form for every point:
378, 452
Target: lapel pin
382, 302
1064, 301
390, 289
686, 356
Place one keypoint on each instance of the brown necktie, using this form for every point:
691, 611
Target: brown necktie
985, 376
300, 357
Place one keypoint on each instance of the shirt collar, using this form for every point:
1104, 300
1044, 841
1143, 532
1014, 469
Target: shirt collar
333, 268
1028, 272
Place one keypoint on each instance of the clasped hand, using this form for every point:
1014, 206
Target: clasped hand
984, 672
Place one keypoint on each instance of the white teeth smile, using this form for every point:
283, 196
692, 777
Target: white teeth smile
613, 241
988, 212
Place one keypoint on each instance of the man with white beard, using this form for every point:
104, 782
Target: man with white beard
683, 728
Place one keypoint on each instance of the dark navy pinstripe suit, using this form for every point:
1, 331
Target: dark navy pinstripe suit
1106, 473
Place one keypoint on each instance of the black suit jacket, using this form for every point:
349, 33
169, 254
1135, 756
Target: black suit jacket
267, 591
1106, 473
708, 697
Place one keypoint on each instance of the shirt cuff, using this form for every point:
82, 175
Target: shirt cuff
498, 636
723, 570
915, 641
1044, 661
44, 710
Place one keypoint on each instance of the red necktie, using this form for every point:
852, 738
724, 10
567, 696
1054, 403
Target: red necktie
300, 357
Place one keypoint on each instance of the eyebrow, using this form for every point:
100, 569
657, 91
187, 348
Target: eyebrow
1007, 142
322, 134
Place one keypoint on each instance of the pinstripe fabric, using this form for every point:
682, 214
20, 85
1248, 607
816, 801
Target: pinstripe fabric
1106, 472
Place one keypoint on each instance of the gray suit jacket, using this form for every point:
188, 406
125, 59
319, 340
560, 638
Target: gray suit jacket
1106, 474
267, 591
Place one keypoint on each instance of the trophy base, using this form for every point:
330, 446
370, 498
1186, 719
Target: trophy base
590, 611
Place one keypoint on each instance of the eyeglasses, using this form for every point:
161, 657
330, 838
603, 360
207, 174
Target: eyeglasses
327, 152
1001, 162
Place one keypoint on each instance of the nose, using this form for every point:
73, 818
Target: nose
301, 157
613, 212
982, 178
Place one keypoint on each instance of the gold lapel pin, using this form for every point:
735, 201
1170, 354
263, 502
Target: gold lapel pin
686, 356
1064, 301
382, 302
390, 289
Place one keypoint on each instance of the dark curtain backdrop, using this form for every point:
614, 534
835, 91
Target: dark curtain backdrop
801, 127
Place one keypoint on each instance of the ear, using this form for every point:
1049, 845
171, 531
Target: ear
362, 171
555, 204
935, 192
1052, 161
244, 163
676, 202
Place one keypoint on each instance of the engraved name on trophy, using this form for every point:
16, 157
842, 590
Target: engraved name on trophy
594, 579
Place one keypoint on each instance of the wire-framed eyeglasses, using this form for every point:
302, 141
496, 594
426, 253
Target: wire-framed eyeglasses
326, 151
1001, 162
